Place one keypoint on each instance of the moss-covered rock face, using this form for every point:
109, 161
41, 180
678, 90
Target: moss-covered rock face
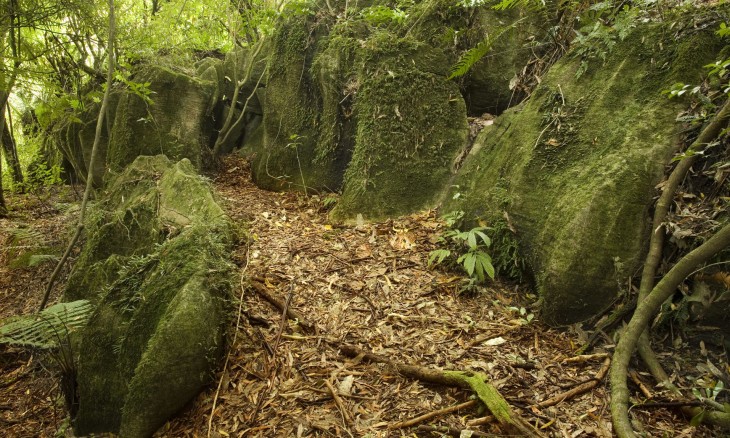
155, 265
411, 123
176, 123
575, 168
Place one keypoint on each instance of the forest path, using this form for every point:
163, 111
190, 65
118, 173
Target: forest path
367, 285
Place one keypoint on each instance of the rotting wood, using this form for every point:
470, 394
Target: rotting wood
433, 414
477, 382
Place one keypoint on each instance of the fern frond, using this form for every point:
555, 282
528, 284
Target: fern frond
47, 329
472, 56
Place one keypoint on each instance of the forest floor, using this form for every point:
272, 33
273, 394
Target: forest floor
366, 285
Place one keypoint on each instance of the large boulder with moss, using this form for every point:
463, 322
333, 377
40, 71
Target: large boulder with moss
155, 266
163, 110
573, 171
363, 105
166, 112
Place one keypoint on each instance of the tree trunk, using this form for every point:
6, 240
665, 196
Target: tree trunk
11, 154
92, 160
3, 100
3, 207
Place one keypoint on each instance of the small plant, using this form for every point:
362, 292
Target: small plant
525, 317
467, 247
381, 15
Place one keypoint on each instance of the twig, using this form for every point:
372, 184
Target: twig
339, 403
260, 289
585, 358
677, 404
450, 430
283, 317
644, 390
481, 421
433, 414
580, 389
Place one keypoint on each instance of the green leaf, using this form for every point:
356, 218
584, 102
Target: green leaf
438, 256
47, 329
472, 56
487, 241
470, 262
697, 419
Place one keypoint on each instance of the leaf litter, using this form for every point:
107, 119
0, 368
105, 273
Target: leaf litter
366, 285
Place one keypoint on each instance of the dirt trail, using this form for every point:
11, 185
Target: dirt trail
366, 285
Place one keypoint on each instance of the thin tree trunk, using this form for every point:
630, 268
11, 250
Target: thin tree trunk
3, 100
92, 160
11, 154
3, 207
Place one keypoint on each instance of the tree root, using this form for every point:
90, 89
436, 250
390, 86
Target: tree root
644, 312
477, 382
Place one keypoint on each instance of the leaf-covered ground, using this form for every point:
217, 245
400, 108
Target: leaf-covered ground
365, 285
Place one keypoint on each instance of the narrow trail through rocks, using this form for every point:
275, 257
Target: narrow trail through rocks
365, 285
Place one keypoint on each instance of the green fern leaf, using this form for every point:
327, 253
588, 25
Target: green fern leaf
472, 56
47, 329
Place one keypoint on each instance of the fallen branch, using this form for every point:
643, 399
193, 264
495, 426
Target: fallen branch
580, 389
476, 382
433, 414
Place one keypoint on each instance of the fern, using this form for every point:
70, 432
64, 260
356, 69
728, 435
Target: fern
472, 56
49, 328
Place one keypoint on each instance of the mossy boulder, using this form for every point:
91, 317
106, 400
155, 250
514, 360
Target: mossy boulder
175, 121
411, 124
155, 266
361, 109
574, 169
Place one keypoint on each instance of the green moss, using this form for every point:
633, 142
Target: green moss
175, 124
410, 124
155, 264
581, 158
